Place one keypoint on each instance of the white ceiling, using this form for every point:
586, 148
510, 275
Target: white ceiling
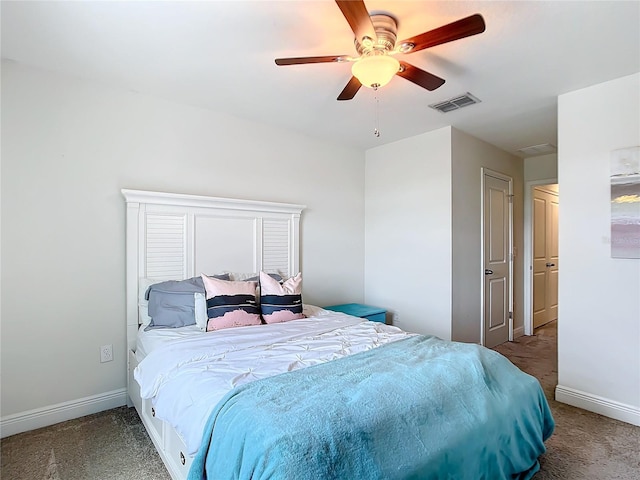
220, 55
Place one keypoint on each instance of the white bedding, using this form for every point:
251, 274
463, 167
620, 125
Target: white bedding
147, 342
187, 377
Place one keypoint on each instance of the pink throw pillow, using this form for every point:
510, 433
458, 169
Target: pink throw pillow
230, 304
280, 302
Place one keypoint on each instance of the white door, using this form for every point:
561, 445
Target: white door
545, 256
497, 238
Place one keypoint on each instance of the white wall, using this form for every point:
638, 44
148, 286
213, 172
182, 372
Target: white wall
599, 296
543, 167
422, 231
408, 231
68, 147
469, 156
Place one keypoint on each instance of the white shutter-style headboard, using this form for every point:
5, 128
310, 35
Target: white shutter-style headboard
176, 236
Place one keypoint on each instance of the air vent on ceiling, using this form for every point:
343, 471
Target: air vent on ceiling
455, 103
535, 150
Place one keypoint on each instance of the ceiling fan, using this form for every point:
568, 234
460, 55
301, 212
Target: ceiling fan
375, 42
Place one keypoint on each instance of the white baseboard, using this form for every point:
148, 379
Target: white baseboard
45, 416
594, 403
518, 332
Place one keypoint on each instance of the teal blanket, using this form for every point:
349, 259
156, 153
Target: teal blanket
420, 408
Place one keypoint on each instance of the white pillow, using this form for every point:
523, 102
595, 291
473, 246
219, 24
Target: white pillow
143, 304
201, 311
311, 310
240, 277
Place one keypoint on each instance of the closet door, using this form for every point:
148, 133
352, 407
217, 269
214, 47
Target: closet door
545, 256
497, 233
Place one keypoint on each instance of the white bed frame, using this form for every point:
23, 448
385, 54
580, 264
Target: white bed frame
175, 236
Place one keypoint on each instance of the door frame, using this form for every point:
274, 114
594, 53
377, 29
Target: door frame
487, 171
528, 250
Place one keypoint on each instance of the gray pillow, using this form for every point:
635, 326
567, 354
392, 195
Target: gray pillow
275, 276
172, 303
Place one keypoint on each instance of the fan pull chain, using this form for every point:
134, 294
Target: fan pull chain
376, 128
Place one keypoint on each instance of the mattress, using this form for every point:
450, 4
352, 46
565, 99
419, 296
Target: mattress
186, 377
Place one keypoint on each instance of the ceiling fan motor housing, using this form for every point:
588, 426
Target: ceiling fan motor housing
386, 28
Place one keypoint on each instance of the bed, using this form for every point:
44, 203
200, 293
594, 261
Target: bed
323, 395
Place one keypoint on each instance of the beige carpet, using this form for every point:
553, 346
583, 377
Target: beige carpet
114, 445
107, 445
584, 445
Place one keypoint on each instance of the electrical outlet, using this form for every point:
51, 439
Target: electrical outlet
106, 353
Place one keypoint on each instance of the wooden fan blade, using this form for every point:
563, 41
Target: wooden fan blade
358, 18
350, 90
303, 60
448, 33
419, 77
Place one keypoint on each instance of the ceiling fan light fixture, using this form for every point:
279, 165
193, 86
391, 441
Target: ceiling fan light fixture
374, 71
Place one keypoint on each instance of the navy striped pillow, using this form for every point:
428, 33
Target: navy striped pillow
280, 302
272, 304
230, 304
220, 305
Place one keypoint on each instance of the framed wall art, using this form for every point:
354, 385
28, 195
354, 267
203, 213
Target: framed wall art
625, 203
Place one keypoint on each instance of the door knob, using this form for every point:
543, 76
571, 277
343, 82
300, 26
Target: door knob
488, 272
551, 264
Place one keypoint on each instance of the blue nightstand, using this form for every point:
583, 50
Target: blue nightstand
374, 314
